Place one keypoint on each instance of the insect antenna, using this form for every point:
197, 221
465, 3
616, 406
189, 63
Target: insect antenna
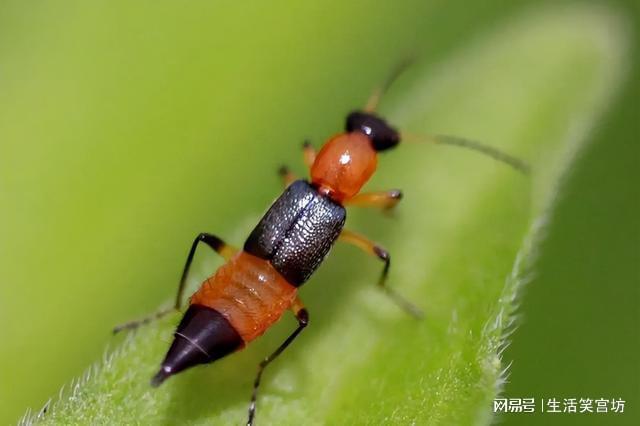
498, 155
374, 99
487, 150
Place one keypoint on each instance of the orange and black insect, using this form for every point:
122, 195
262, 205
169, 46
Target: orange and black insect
257, 284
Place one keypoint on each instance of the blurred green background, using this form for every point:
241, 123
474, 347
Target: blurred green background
126, 128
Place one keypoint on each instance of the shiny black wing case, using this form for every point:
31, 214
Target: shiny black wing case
297, 232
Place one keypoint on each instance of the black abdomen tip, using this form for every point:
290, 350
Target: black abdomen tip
202, 336
160, 376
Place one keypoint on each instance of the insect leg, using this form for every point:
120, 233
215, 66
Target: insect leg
372, 248
384, 200
131, 325
303, 319
286, 175
309, 156
223, 249
308, 153
216, 244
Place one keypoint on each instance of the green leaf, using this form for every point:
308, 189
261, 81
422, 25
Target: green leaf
532, 87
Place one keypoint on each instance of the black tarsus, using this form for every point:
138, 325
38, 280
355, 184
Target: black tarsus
303, 320
283, 170
399, 300
212, 241
131, 325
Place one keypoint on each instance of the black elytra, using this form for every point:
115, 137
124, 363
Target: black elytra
297, 231
382, 135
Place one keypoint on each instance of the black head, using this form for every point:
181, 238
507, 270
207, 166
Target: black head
381, 134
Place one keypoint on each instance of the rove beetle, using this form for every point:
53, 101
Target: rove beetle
257, 284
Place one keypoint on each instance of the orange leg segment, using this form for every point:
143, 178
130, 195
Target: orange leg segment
308, 154
384, 200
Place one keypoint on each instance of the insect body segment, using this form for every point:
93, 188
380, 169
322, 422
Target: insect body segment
249, 292
202, 336
382, 135
343, 165
297, 232
259, 283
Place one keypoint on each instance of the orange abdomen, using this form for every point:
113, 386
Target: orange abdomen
249, 293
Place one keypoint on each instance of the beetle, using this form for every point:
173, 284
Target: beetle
259, 283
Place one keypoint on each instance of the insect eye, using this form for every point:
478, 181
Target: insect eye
382, 135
